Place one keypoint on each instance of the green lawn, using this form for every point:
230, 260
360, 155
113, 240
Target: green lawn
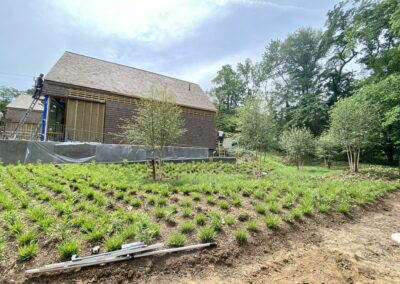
75, 207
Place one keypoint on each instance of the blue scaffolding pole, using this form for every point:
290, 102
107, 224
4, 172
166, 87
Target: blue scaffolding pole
44, 118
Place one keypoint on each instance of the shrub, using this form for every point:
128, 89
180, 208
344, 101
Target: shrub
206, 235
298, 143
186, 227
241, 237
68, 248
200, 219
27, 252
253, 226
177, 240
273, 221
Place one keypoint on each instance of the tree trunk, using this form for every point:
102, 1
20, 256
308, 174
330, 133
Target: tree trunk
153, 164
389, 151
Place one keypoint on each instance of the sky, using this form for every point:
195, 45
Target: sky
186, 39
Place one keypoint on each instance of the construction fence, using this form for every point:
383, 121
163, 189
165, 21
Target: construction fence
13, 151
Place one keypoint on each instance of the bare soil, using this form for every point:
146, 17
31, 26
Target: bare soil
331, 248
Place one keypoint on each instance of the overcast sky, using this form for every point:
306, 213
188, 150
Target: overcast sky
187, 39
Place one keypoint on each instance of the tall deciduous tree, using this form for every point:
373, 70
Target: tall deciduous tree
355, 125
156, 124
341, 44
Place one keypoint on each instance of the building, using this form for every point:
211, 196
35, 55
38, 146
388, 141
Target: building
15, 110
88, 98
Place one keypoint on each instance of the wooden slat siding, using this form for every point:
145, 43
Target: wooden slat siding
127, 100
85, 120
24, 131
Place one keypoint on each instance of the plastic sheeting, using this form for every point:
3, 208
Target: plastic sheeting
72, 152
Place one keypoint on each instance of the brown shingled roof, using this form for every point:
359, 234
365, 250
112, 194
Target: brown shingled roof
23, 102
79, 70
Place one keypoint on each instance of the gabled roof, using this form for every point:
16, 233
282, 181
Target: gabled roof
79, 70
23, 102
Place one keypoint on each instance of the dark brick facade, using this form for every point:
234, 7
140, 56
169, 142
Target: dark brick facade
200, 129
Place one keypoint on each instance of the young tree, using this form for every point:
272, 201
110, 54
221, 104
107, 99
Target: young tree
326, 148
156, 124
298, 143
257, 125
355, 124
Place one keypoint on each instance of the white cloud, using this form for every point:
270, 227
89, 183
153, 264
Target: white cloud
155, 21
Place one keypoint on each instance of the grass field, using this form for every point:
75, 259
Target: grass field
64, 210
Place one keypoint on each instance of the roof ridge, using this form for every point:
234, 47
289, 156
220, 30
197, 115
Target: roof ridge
127, 66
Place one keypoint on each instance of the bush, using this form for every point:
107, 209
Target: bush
241, 237
27, 252
68, 248
177, 240
298, 143
206, 235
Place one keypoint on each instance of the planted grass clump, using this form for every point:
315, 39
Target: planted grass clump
27, 238
253, 225
177, 240
27, 252
206, 235
273, 221
114, 242
200, 219
224, 205
186, 227
241, 237
68, 248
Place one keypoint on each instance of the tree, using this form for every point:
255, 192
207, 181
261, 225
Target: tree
7, 94
385, 95
294, 66
377, 36
298, 143
339, 40
326, 148
156, 124
230, 88
355, 125
257, 126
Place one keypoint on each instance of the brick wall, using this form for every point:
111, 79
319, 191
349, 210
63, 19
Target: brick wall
200, 129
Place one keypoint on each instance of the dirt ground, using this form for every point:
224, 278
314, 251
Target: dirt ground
322, 249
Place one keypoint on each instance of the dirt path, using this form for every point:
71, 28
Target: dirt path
356, 252
322, 249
